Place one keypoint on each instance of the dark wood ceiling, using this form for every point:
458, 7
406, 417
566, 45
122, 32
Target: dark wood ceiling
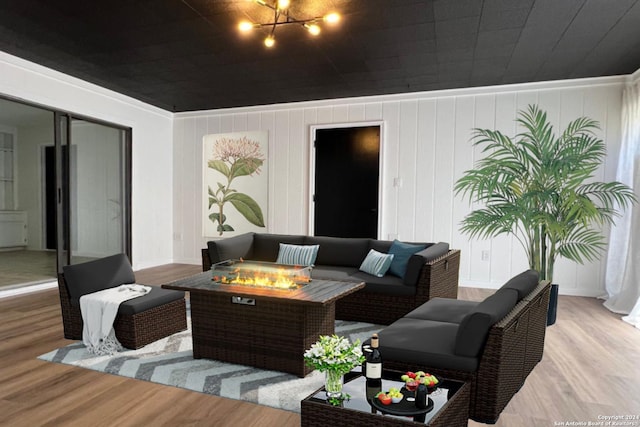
183, 55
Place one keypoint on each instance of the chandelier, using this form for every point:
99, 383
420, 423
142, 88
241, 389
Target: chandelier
281, 16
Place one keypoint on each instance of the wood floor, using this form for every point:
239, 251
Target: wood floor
591, 368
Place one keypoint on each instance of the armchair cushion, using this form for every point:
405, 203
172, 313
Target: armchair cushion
340, 251
94, 276
474, 327
419, 259
524, 283
443, 310
155, 298
267, 246
404, 340
235, 247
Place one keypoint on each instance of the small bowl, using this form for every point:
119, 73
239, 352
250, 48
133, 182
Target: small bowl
396, 399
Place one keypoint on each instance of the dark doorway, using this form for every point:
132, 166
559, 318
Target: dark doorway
347, 170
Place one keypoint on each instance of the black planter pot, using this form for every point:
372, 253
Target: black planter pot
553, 305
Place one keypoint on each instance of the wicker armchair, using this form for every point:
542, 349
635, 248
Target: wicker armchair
139, 322
512, 349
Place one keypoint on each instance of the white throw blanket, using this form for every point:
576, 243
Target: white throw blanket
99, 311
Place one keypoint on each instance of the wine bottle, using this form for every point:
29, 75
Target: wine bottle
373, 362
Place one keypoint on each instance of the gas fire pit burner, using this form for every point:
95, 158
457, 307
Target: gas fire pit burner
260, 274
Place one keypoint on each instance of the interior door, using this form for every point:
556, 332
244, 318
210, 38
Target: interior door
346, 182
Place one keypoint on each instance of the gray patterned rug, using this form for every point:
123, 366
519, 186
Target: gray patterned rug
170, 361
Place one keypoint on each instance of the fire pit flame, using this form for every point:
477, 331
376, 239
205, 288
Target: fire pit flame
260, 274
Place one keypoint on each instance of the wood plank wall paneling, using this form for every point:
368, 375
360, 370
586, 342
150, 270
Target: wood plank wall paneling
425, 143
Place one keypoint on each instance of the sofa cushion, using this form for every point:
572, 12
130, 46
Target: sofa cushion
443, 310
389, 285
424, 343
417, 260
94, 276
524, 283
297, 254
267, 246
155, 298
401, 253
342, 251
235, 247
376, 263
333, 272
380, 245
474, 327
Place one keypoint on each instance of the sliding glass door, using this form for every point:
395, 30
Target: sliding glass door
93, 177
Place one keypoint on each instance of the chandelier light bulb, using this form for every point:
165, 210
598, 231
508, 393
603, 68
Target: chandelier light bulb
269, 41
314, 29
283, 4
332, 18
245, 26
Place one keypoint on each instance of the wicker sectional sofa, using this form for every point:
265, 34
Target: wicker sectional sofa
432, 272
494, 344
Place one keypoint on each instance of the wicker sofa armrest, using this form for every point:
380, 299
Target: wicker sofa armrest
206, 260
503, 368
439, 277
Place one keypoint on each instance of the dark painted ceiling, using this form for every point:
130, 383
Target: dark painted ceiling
184, 55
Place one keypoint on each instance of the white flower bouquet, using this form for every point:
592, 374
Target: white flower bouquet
334, 353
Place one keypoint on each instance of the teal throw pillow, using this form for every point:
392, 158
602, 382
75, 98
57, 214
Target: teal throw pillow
297, 254
401, 253
376, 263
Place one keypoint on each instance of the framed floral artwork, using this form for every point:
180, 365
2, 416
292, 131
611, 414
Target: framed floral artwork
235, 183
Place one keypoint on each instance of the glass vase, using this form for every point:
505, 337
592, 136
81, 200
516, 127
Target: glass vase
333, 383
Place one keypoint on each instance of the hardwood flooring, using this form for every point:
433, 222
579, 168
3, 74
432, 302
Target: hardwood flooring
590, 368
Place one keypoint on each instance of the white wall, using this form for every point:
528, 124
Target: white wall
426, 144
31, 140
152, 145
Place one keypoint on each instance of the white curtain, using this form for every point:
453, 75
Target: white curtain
623, 259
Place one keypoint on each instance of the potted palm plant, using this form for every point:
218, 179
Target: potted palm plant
540, 188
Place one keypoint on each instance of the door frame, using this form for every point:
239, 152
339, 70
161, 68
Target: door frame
312, 167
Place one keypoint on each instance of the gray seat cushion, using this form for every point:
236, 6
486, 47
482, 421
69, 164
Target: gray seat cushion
94, 276
424, 343
443, 310
339, 251
388, 285
235, 247
474, 327
332, 272
155, 298
524, 283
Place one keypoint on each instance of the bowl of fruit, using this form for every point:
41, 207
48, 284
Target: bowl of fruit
392, 396
413, 379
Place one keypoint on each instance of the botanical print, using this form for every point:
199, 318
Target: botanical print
235, 182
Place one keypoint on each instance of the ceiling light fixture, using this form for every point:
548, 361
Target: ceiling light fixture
281, 16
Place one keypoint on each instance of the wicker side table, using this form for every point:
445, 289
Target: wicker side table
451, 406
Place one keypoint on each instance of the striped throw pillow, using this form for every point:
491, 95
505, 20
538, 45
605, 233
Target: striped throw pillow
297, 254
376, 263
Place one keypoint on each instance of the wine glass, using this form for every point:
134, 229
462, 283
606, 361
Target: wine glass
412, 386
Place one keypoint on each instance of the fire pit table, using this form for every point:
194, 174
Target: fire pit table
259, 326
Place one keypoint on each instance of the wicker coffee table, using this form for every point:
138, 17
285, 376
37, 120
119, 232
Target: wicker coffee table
265, 328
450, 405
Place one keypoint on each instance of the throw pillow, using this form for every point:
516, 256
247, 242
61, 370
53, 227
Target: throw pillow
297, 254
376, 263
401, 253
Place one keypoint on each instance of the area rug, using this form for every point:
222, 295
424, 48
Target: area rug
170, 361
